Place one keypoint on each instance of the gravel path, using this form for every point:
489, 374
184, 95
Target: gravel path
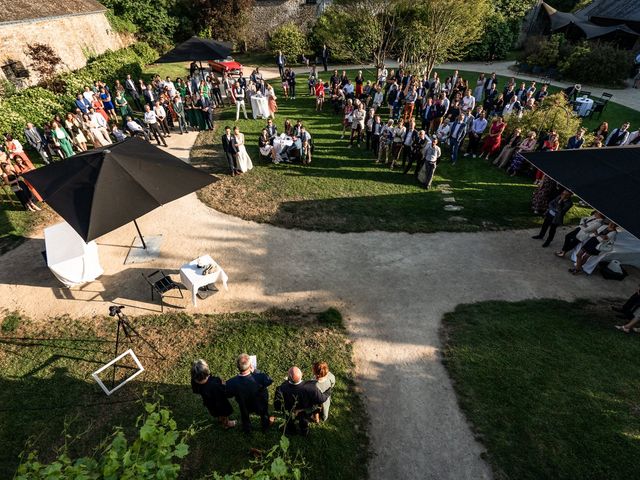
392, 287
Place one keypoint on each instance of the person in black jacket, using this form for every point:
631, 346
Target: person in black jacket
249, 388
212, 391
297, 399
558, 208
230, 148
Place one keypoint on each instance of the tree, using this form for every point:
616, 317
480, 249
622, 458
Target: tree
46, 62
224, 20
363, 30
289, 39
436, 31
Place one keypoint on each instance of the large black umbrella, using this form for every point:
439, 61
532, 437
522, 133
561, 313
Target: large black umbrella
103, 189
608, 179
197, 48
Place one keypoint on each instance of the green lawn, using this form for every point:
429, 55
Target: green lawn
550, 387
343, 190
45, 381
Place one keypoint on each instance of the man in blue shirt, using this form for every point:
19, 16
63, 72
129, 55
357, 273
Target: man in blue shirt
82, 103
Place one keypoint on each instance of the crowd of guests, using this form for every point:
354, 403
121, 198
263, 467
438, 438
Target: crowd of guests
300, 402
467, 120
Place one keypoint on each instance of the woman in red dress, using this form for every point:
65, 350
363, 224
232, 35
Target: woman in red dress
492, 143
98, 106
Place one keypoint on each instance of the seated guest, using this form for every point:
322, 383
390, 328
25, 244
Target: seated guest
618, 136
292, 151
117, 133
137, 130
272, 130
212, 391
509, 149
297, 129
602, 240
581, 233
554, 217
630, 311
295, 397
249, 388
266, 149
288, 127
527, 145
325, 380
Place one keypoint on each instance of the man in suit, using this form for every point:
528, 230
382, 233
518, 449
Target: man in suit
132, 90
37, 141
291, 80
272, 130
230, 150
249, 388
618, 136
296, 398
325, 56
458, 132
281, 61
82, 103
554, 217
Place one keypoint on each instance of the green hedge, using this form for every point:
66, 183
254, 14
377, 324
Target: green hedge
38, 105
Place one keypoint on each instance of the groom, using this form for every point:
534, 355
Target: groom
230, 147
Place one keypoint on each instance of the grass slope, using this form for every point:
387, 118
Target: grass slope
45, 380
550, 387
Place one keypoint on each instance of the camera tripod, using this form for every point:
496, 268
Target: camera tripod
129, 332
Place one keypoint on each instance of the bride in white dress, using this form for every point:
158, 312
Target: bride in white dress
243, 160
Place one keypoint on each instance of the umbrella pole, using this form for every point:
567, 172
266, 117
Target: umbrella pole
144, 245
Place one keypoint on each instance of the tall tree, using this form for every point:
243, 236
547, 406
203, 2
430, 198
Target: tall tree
224, 20
436, 31
366, 29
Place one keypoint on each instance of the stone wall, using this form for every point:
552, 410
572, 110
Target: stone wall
70, 36
267, 15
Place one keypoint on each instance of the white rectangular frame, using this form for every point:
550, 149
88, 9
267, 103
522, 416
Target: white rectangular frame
128, 379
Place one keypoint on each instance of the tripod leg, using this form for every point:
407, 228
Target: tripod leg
113, 378
135, 332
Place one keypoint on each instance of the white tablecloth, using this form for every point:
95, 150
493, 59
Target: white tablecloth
259, 106
69, 258
192, 278
626, 250
279, 143
583, 105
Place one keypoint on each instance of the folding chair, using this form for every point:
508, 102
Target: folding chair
161, 284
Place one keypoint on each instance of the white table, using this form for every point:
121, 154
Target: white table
260, 106
192, 278
279, 143
583, 106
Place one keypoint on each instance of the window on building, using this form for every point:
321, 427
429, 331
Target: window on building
15, 71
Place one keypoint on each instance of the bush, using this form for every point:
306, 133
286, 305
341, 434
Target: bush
544, 51
38, 105
120, 24
500, 34
597, 63
554, 114
290, 40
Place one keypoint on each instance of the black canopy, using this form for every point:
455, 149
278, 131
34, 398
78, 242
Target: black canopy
103, 189
198, 49
608, 179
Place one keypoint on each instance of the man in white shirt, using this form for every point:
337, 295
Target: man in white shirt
136, 129
88, 94
152, 122
239, 93
431, 156
305, 138
99, 127
348, 90
478, 126
171, 87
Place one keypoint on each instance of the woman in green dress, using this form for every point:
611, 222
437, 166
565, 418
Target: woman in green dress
61, 139
181, 87
123, 107
189, 112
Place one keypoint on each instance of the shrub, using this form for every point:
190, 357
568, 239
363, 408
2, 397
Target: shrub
597, 63
153, 455
290, 40
500, 34
120, 24
35, 104
331, 318
544, 51
554, 114
11, 322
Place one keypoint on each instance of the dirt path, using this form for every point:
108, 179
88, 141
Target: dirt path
393, 288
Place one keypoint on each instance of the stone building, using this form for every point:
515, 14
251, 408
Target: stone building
267, 15
73, 28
